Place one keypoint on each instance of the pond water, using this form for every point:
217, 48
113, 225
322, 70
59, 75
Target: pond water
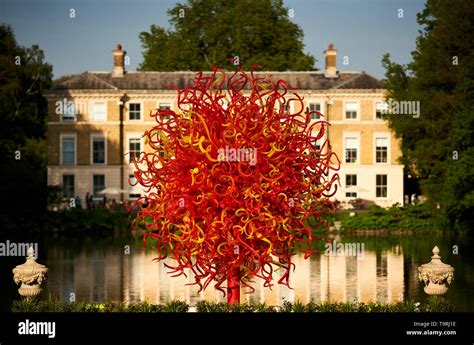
386, 272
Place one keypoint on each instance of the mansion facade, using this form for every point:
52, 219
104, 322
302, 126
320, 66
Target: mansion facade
96, 121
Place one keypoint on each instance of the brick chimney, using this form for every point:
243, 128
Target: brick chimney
119, 57
330, 68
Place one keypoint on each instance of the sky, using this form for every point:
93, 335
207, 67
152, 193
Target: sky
361, 30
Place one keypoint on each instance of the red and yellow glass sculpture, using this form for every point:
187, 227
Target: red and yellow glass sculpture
236, 185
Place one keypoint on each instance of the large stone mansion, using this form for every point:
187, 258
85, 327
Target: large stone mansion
96, 120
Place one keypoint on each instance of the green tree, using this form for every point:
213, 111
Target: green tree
23, 111
437, 146
209, 33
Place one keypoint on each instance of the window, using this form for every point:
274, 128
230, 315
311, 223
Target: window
99, 111
165, 106
381, 186
351, 110
132, 187
351, 150
285, 108
68, 186
98, 150
67, 110
68, 151
381, 150
134, 111
134, 148
381, 108
314, 107
98, 184
351, 180
69, 116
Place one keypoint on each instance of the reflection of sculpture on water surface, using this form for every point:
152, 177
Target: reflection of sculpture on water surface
134, 278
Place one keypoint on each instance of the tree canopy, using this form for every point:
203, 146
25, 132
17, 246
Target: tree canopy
437, 146
23, 77
23, 112
211, 33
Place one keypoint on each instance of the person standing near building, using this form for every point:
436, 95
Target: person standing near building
91, 201
88, 201
78, 202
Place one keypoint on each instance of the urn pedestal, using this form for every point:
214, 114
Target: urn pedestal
436, 275
30, 275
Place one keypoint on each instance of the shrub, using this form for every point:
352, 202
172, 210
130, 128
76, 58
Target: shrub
286, 307
263, 308
438, 304
145, 307
433, 304
176, 306
409, 217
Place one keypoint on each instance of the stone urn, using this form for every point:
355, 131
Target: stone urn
31, 275
436, 275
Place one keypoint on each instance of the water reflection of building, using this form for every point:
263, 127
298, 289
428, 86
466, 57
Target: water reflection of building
100, 275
